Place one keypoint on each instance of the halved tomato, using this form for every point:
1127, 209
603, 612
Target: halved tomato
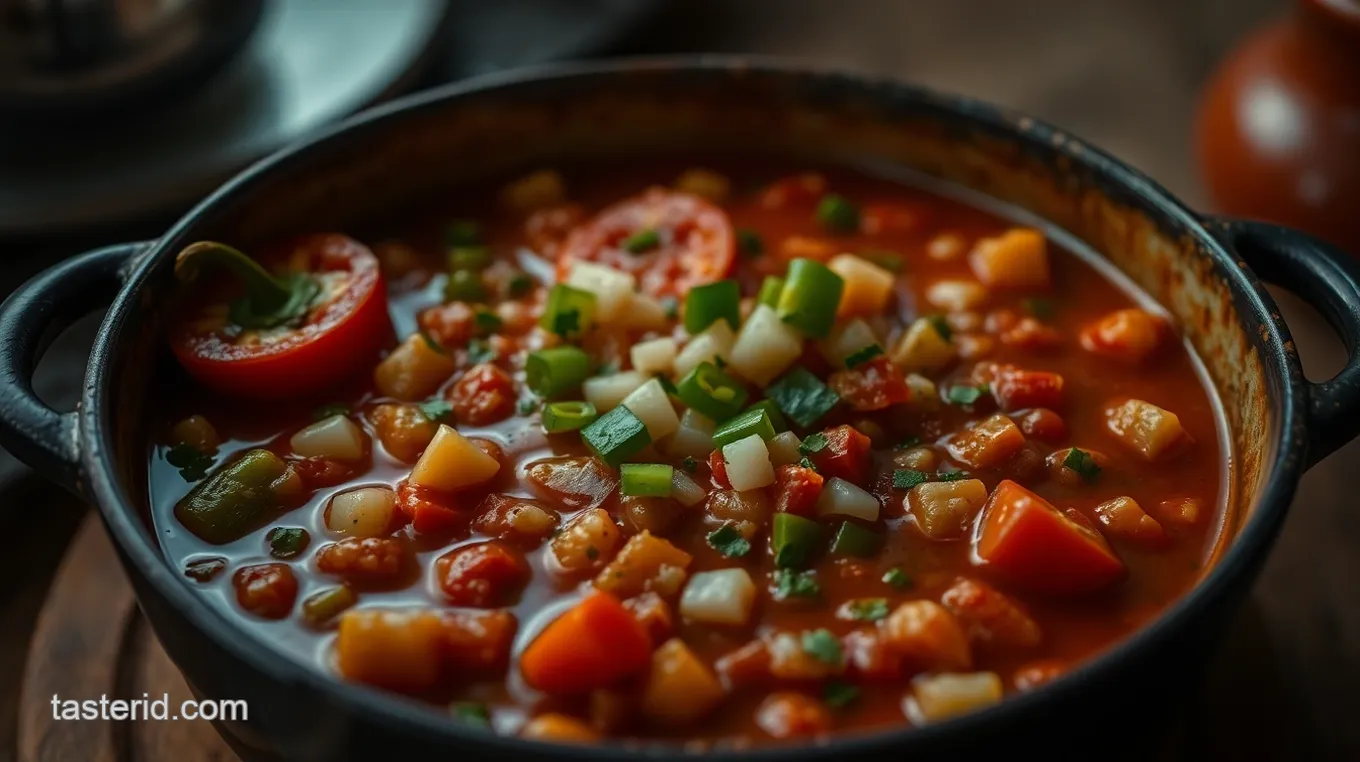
692, 245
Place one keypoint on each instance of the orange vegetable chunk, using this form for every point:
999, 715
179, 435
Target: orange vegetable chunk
594, 644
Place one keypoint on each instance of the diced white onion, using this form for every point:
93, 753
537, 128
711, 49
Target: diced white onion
685, 490
613, 289
765, 347
694, 438
842, 498
655, 357
363, 512
652, 406
336, 437
748, 464
845, 340
452, 461
714, 341
956, 295
784, 448
724, 596
606, 392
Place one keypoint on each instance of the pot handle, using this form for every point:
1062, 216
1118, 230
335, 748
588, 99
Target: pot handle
29, 319
1329, 279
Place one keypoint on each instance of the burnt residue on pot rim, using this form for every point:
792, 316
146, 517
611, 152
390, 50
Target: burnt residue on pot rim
385, 160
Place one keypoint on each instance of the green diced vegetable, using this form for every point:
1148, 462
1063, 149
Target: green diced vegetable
464, 286
795, 584
205, 569
616, 436
193, 463
776, 418
905, 478
794, 540
469, 258
569, 311
711, 392
965, 395
1082, 462
854, 540
642, 241
839, 695
239, 498
811, 295
770, 289
752, 421
837, 214
287, 542
897, 579
463, 233
868, 609
728, 541
705, 305
322, 607
555, 371
647, 479
862, 356
567, 416
951, 476
802, 397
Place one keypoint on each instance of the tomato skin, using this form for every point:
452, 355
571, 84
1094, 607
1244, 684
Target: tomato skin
718, 466
1024, 539
430, 512
846, 455
483, 396
872, 386
1015, 389
797, 490
339, 338
481, 575
697, 242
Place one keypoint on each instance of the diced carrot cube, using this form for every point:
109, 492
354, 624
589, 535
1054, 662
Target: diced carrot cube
1181, 511
927, 636
1145, 428
1123, 518
592, 645
1128, 335
1016, 259
558, 728
989, 616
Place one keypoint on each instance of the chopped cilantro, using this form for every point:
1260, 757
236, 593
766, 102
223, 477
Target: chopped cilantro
942, 327
960, 394
905, 478
807, 463
951, 476
480, 351
837, 214
471, 713
821, 645
864, 355
793, 584
839, 695
567, 322
896, 578
728, 541
689, 464
287, 542
642, 241
487, 322
814, 444
1082, 462
193, 463
436, 410
868, 609
749, 242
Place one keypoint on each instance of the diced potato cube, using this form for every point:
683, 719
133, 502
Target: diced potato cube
680, 687
363, 512
655, 357
1124, 519
939, 697
927, 635
714, 341
652, 406
1145, 428
724, 596
784, 449
748, 463
957, 295
1016, 259
337, 438
452, 462
989, 443
845, 340
924, 396
606, 392
646, 563
393, 649
613, 289
867, 286
922, 348
694, 438
520, 520
917, 458
587, 541
765, 347
414, 370
945, 510
705, 183
537, 190
558, 728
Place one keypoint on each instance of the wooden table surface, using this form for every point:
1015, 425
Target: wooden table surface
1120, 73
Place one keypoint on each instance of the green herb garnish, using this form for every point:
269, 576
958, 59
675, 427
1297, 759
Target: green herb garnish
750, 242
1082, 462
941, 325
868, 609
729, 542
193, 463
965, 395
814, 444
839, 695
436, 410
862, 356
897, 579
905, 478
642, 241
795, 584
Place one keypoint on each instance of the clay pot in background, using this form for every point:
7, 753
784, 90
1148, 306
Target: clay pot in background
1278, 131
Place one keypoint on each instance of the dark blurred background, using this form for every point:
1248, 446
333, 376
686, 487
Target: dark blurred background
1123, 74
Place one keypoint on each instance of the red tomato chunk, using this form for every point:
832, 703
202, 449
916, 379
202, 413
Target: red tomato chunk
846, 455
481, 575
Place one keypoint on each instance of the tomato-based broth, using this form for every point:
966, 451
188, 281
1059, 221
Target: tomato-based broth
827, 453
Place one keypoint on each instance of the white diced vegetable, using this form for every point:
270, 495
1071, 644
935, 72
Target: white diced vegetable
867, 286
941, 696
784, 448
652, 406
845, 340
712, 342
765, 347
842, 498
923, 348
945, 510
363, 512
694, 438
748, 463
337, 438
644, 313
613, 289
924, 395
606, 392
956, 295
452, 461
724, 596
685, 490
1149, 430
655, 357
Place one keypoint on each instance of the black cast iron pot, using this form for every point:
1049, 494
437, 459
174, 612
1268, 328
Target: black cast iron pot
1204, 271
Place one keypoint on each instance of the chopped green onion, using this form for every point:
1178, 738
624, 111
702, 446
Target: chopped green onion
647, 479
839, 695
519, 284
321, 607
728, 541
1039, 307
802, 397
436, 410
794, 584
854, 540
1082, 462
776, 418
480, 351
329, 411
862, 356
905, 478
471, 713
464, 286
941, 324
770, 289
569, 311
868, 609
951, 476
794, 540
821, 645
837, 214
286, 542
750, 242
811, 295
705, 305
743, 425
896, 579
965, 395
642, 241
567, 416
689, 464
888, 260
463, 233
487, 322
193, 463
469, 258
616, 436
711, 392
554, 371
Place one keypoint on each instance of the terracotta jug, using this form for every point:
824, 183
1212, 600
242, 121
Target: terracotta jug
1278, 131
